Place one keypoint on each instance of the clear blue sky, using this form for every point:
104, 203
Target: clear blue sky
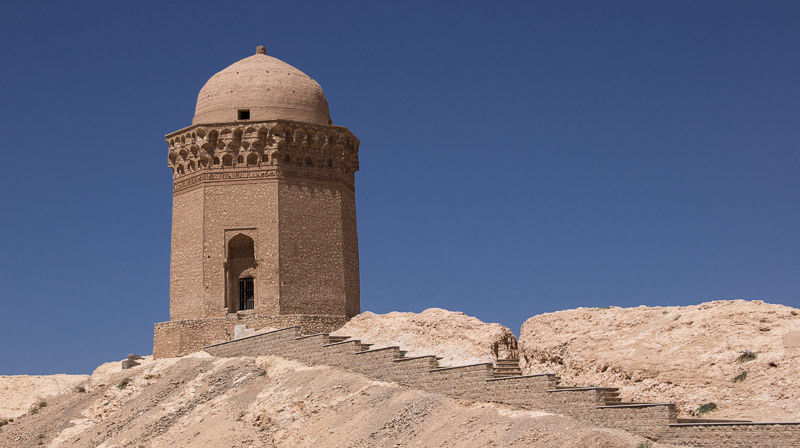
516, 158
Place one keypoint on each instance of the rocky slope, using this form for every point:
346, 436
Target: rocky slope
199, 400
744, 356
459, 339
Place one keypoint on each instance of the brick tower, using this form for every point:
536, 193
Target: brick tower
263, 215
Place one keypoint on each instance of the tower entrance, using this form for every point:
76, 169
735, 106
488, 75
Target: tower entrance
241, 267
246, 294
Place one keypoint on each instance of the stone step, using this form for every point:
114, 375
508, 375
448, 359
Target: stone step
507, 368
514, 362
334, 339
504, 375
710, 420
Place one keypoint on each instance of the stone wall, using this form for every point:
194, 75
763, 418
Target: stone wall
178, 338
731, 435
657, 421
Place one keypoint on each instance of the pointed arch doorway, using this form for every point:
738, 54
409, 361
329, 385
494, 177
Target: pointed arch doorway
240, 273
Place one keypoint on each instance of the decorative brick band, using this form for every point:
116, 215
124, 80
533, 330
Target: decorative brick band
262, 150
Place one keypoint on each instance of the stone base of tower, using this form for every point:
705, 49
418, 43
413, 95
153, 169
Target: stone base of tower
181, 337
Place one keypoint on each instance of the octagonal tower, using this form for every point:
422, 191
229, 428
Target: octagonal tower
263, 216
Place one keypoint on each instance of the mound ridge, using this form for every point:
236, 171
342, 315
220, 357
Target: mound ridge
455, 337
199, 400
687, 355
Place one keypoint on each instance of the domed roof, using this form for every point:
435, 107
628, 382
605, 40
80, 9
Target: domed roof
258, 88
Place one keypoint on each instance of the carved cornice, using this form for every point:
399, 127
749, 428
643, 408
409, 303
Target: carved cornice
210, 176
262, 150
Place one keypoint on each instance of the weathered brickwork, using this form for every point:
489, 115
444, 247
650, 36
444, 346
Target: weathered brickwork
186, 267
714, 435
177, 338
352, 283
264, 215
657, 421
232, 210
312, 253
300, 216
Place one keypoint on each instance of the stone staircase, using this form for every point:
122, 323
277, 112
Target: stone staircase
503, 382
506, 367
611, 396
335, 339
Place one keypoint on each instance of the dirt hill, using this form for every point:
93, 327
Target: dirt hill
459, 339
744, 356
199, 400
19, 392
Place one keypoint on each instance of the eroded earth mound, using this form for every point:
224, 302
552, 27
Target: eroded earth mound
459, 339
743, 356
18, 393
199, 400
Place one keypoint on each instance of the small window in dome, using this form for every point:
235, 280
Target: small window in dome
244, 114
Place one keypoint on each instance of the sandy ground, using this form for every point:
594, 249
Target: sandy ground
687, 355
459, 339
19, 392
199, 400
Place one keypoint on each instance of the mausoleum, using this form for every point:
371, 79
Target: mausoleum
264, 214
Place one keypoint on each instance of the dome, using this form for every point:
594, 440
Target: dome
259, 88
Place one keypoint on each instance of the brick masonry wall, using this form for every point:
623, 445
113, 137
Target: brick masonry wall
474, 382
312, 253
288, 186
186, 263
467, 382
352, 282
713, 435
231, 209
411, 372
526, 391
648, 420
178, 338
376, 363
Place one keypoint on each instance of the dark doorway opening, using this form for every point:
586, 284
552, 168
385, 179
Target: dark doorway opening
246, 294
